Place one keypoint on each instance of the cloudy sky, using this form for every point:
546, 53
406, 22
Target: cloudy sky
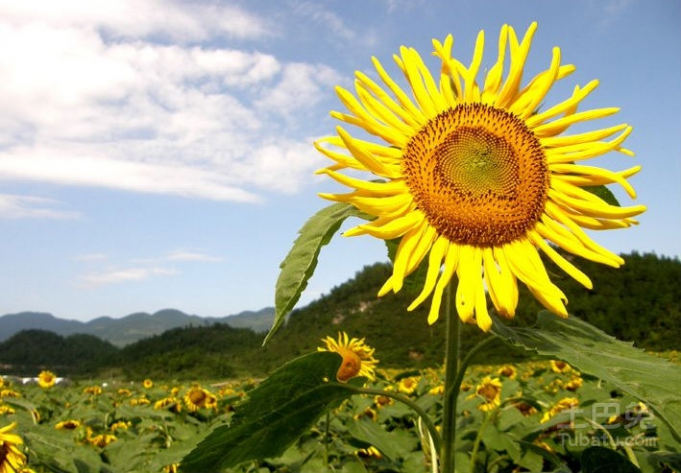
158, 153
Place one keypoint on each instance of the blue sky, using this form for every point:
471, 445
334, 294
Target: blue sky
159, 154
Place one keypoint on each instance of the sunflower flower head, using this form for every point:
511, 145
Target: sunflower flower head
358, 357
46, 379
564, 404
70, 424
11, 457
199, 398
475, 178
489, 390
559, 366
102, 440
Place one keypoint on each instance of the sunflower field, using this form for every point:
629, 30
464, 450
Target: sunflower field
533, 416
469, 181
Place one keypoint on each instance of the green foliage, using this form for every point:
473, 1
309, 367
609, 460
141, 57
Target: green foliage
511, 439
604, 460
593, 352
277, 413
217, 351
300, 263
30, 351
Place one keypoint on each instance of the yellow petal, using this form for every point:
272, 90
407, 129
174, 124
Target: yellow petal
452, 260
379, 188
568, 106
580, 138
519, 54
389, 228
470, 274
493, 80
398, 109
530, 98
405, 260
561, 262
594, 209
500, 284
557, 126
437, 254
370, 163
482, 317
472, 92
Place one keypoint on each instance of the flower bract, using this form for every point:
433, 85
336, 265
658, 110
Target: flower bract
478, 177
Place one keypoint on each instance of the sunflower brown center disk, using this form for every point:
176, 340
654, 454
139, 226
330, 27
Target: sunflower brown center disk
479, 175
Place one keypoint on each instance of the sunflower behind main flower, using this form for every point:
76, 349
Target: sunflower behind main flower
358, 357
475, 179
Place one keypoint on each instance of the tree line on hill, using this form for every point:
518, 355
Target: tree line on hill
640, 302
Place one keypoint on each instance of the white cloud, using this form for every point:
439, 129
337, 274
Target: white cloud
97, 170
300, 87
91, 98
122, 275
190, 21
24, 206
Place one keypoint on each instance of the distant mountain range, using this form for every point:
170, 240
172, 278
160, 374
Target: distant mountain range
131, 328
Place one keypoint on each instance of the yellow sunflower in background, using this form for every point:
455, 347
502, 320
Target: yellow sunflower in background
199, 398
11, 458
559, 366
489, 390
102, 440
46, 379
475, 178
358, 357
564, 404
70, 424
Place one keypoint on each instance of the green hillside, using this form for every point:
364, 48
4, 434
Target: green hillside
30, 351
640, 302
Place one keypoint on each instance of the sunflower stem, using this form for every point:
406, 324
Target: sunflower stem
452, 374
327, 439
427, 421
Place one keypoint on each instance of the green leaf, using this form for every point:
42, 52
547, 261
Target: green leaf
604, 193
393, 445
648, 378
275, 415
604, 460
300, 263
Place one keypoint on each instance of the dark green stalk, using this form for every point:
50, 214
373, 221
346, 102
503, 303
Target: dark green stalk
327, 439
452, 374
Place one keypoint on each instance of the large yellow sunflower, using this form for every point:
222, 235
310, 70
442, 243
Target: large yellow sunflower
11, 457
476, 178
